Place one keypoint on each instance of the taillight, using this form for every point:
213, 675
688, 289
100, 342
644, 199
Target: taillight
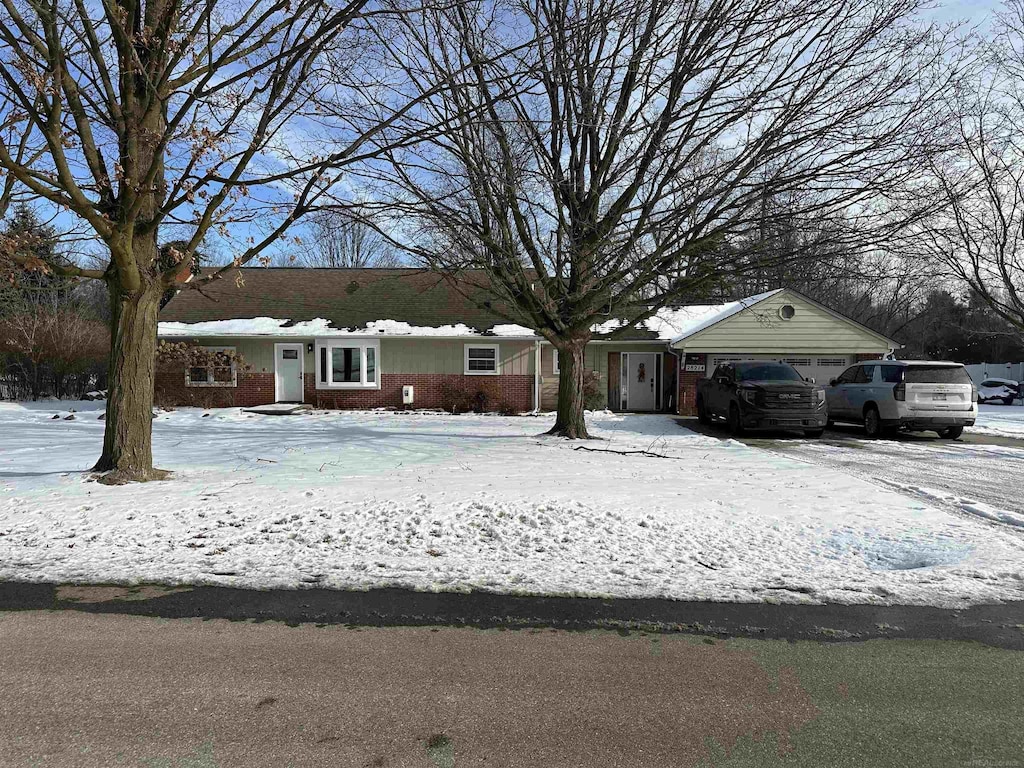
974, 392
900, 391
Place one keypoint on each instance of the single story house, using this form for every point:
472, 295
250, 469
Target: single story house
361, 338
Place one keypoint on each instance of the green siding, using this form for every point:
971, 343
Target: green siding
396, 355
595, 357
448, 355
760, 329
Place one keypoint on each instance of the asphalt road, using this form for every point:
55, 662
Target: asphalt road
92, 689
981, 468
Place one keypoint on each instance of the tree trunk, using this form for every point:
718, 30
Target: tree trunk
128, 434
572, 376
37, 380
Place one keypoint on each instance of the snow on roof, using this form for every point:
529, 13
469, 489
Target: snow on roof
689, 324
670, 324
677, 323
270, 326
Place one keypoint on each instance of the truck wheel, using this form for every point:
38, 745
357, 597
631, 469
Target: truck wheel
814, 434
702, 414
872, 422
1008, 400
951, 433
735, 423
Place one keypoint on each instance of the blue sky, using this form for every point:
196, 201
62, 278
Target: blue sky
974, 10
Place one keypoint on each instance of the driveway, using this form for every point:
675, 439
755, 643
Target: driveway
954, 474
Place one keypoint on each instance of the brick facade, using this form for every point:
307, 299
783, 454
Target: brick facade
513, 391
688, 392
253, 389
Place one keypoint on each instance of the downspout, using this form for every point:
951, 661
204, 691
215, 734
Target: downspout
679, 373
537, 358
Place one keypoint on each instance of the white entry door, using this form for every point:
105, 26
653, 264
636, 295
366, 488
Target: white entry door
288, 370
641, 381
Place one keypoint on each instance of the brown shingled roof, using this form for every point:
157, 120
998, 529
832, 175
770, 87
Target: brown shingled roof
349, 298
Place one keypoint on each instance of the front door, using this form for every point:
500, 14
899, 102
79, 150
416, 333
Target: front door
642, 382
288, 366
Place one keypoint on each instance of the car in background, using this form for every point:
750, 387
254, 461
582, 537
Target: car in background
998, 391
913, 395
762, 395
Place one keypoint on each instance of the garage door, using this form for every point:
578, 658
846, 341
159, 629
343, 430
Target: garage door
821, 368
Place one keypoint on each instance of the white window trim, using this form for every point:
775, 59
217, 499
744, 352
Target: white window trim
554, 361
497, 360
209, 372
362, 345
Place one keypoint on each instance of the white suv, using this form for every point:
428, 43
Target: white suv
886, 395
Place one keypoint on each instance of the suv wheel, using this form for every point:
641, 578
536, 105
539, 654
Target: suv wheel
814, 433
735, 423
872, 422
1008, 400
951, 433
702, 414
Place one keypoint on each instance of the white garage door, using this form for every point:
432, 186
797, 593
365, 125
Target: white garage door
820, 367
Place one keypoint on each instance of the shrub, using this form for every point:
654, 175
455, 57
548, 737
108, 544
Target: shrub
174, 359
460, 396
593, 398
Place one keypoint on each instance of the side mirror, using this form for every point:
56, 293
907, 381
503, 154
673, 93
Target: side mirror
833, 382
809, 379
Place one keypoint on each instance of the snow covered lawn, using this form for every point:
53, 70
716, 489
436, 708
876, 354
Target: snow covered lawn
1000, 420
435, 502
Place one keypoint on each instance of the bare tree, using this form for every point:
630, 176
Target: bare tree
603, 145
208, 117
978, 236
338, 240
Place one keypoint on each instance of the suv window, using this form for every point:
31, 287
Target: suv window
937, 374
848, 374
865, 374
892, 374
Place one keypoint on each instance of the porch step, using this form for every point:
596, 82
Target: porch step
278, 409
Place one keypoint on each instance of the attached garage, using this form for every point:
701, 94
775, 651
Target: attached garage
812, 366
780, 325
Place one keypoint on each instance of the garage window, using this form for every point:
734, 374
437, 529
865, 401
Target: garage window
832, 362
798, 362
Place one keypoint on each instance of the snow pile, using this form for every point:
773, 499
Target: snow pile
361, 500
970, 506
1000, 420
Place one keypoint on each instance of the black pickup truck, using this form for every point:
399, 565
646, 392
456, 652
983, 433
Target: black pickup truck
762, 395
